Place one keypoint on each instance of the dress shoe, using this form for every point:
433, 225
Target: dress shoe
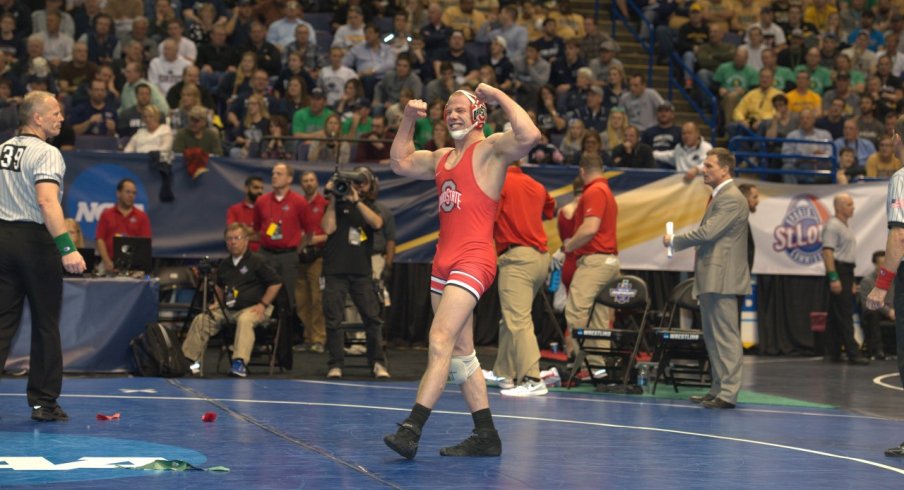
859, 361
702, 398
717, 403
895, 452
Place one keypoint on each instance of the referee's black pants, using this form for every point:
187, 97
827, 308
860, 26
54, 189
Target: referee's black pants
840, 318
30, 268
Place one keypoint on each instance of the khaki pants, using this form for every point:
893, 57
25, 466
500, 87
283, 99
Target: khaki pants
203, 327
593, 272
309, 301
522, 271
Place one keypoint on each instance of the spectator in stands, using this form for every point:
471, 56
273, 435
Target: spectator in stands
801, 150
870, 127
132, 118
352, 96
862, 58
185, 46
101, 40
11, 42
633, 153
640, 103
772, 32
689, 37
190, 98
330, 150
891, 84
268, 55
198, 134
570, 147
664, 135
96, 116
400, 37
569, 24
309, 122
421, 64
247, 285
532, 19
75, 232
746, 14
155, 135
191, 76
435, 34
590, 111
76, 72
883, 163
34, 48
592, 40
875, 37
334, 78
352, 33
565, 68
440, 138
718, 13
122, 219
276, 148
688, 155
829, 51
57, 45
796, 51
141, 34
238, 27
548, 117
843, 91
282, 32
711, 55
295, 98
605, 62
818, 12
802, 97
734, 79
782, 76
371, 59
388, 89
820, 76
167, 69
848, 170
260, 85
873, 319
857, 79
515, 36
216, 58
756, 105
39, 18
755, 46
464, 18
294, 68
890, 120
530, 74
614, 134
395, 111
424, 127
833, 119
550, 45
247, 136
546, 153
374, 150
303, 47
83, 16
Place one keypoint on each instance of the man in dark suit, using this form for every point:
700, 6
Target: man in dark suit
721, 274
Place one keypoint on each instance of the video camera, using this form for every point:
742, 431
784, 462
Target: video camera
205, 266
343, 180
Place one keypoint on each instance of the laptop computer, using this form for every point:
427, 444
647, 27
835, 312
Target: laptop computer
132, 253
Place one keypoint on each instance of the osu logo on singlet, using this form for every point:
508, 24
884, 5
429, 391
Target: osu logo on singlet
449, 197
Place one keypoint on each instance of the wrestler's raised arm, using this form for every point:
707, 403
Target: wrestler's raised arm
403, 157
514, 144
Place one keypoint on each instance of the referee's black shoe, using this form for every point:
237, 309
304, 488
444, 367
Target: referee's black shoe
482, 442
43, 413
405, 440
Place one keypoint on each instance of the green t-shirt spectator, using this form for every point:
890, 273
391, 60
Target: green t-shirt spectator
784, 78
305, 122
363, 128
730, 77
820, 78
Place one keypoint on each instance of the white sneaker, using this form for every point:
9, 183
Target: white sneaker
380, 371
500, 381
334, 372
195, 368
551, 377
527, 388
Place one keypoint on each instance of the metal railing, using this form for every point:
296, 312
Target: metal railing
677, 82
745, 150
647, 44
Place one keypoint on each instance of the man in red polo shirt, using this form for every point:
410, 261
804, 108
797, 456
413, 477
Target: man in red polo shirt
595, 245
284, 223
523, 262
123, 219
308, 296
243, 212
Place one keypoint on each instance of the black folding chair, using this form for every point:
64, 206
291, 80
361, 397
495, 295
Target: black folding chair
680, 354
624, 293
177, 290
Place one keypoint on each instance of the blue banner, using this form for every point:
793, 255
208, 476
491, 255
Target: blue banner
192, 225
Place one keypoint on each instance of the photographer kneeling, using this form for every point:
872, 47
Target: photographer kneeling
246, 286
350, 224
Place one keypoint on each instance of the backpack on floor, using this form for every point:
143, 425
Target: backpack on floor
158, 353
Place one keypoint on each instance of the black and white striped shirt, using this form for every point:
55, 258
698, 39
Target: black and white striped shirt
26, 160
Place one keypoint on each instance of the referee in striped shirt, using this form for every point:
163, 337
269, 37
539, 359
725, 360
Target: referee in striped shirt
33, 239
894, 250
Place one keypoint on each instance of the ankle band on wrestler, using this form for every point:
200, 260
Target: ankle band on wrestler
885, 278
64, 244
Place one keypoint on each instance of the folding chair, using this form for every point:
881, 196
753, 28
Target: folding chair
177, 290
680, 354
624, 293
267, 336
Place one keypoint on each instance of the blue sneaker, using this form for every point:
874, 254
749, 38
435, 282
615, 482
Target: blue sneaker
238, 369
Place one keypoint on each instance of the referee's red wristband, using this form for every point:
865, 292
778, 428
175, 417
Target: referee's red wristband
885, 278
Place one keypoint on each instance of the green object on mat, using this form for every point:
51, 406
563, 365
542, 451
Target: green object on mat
174, 465
665, 392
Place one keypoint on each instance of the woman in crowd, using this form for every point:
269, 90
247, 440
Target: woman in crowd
352, 91
548, 118
591, 145
441, 138
247, 137
191, 97
75, 232
199, 32
571, 143
614, 134
295, 98
294, 68
614, 88
154, 136
330, 151
276, 148
236, 83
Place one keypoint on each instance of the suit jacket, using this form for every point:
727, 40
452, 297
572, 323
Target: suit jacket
721, 241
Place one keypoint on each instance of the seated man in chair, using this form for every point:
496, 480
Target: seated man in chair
246, 285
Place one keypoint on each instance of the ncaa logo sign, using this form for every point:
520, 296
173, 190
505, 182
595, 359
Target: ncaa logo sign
449, 197
800, 233
94, 190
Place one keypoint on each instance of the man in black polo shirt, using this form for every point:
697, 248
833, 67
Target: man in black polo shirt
351, 221
246, 286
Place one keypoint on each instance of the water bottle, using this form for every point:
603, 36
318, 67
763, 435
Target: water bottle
555, 280
642, 373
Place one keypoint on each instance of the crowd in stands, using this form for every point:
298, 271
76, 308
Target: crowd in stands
229, 76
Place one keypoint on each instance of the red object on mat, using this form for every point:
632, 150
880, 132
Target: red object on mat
115, 416
209, 417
